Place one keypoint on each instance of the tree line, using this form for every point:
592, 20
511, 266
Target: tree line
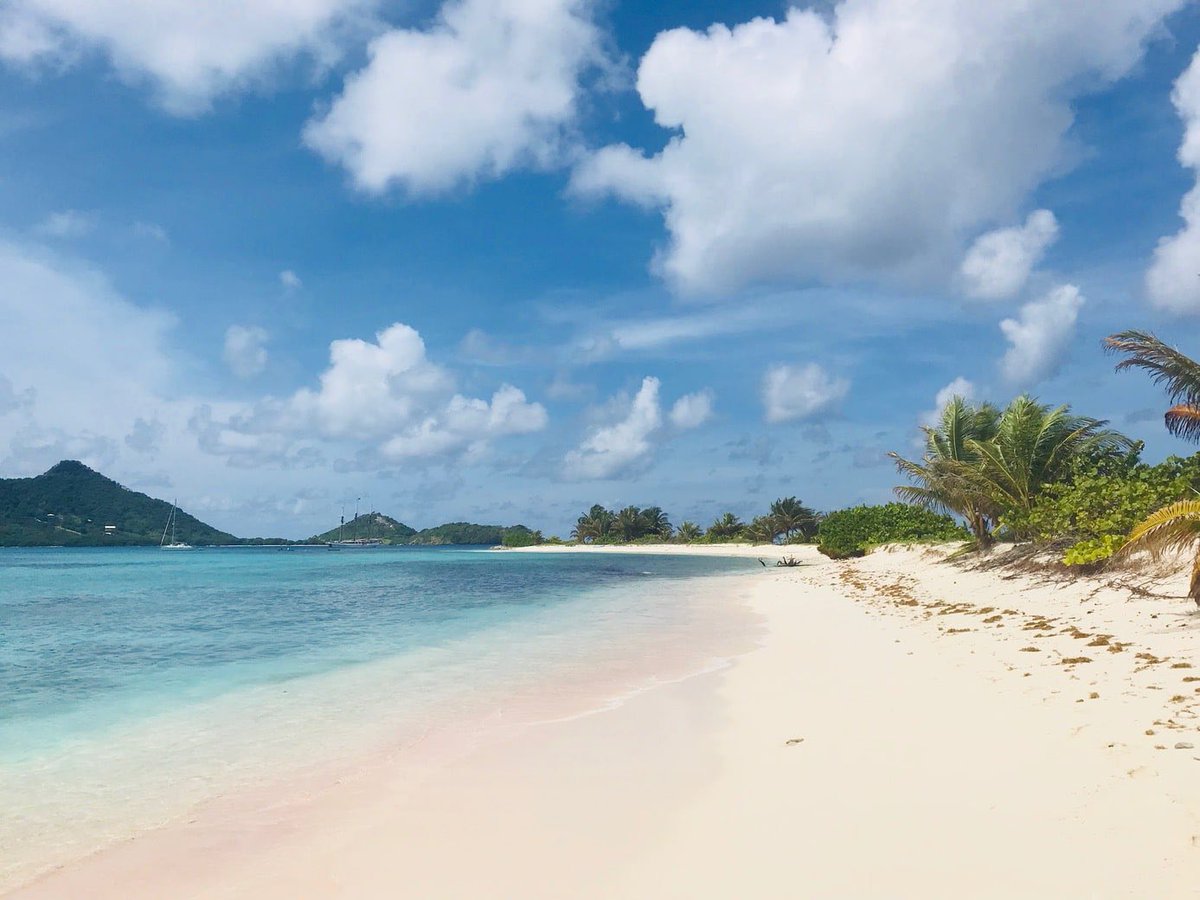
788, 520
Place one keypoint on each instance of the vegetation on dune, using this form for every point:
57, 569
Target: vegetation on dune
852, 532
789, 521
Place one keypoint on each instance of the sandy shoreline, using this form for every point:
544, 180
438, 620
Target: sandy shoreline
906, 728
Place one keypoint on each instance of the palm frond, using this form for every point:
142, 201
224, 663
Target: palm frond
1178, 374
1174, 527
1183, 420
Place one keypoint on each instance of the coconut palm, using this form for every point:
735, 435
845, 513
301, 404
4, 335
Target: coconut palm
655, 521
688, 532
763, 530
594, 525
793, 517
726, 528
628, 523
1176, 526
1034, 446
938, 481
1177, 373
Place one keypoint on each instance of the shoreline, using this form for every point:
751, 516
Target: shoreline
892, 732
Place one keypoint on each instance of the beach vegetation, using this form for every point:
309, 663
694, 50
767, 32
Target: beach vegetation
1175, 526
688, 533
762, 530
631, 524
990, 468
728, 527
520, 536
792, 519
846, 533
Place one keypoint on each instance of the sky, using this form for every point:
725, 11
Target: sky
499, 260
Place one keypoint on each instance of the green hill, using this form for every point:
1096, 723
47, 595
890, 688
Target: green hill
368, 525
70, 505
468, 533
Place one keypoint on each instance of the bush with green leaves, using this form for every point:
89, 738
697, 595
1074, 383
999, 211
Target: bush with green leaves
851, 532
1098, 507
520, 536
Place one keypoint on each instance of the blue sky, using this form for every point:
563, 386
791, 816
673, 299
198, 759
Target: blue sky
500, 260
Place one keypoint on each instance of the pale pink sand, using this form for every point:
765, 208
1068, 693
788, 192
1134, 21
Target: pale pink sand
927, 764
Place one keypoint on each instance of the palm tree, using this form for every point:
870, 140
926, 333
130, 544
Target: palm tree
726, 528
628, 523
763, 530
1034, 445
1177, 526
791, 517
594, 525
938, 481
688, 532
655, 521
1178, 374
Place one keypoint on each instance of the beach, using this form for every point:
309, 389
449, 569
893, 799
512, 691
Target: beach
890, 726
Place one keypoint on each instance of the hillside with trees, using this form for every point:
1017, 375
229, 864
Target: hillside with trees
70, 506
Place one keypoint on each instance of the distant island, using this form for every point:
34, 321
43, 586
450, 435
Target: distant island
374, 526
72, 505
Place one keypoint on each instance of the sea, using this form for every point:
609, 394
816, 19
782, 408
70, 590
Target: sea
137, 685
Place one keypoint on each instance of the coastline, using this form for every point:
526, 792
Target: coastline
892, 733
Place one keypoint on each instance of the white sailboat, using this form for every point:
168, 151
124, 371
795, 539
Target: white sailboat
170, 526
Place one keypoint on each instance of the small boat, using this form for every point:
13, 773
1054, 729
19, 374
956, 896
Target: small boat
170, 526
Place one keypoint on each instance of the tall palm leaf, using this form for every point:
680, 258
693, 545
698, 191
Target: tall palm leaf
1178, 374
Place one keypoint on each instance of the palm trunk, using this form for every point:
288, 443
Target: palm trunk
979, 528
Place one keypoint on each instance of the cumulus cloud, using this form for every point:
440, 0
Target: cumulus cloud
1039, 336
290, 280
869, 142
69, 223
616, 448
1173, 279
190, 52
692, 410
385, 393
800, 392
145, 436
244, 351
959, 387
999, 262
491, 86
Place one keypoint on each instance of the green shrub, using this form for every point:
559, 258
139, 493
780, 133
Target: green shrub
520, 536
1098, 507
851, 532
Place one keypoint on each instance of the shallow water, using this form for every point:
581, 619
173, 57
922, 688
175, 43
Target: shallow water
137, 684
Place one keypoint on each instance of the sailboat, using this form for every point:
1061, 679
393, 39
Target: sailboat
170, 526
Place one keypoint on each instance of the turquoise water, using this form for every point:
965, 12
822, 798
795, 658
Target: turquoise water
136, 683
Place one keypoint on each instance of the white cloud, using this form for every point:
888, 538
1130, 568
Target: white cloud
69, 223
1173, 279
489, 87
869, 142
959, 387
290, 280
1039, 336
800, 392
614, 449
999, 262
470, 423
692, 410
189, 51
151, 231
244, 351
385, 394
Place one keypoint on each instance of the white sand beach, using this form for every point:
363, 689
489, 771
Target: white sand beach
904, 728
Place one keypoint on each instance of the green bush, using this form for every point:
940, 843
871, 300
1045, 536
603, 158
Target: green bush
520, 536
1098, 507
851, 532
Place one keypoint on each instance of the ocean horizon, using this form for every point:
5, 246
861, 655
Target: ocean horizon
138, 685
